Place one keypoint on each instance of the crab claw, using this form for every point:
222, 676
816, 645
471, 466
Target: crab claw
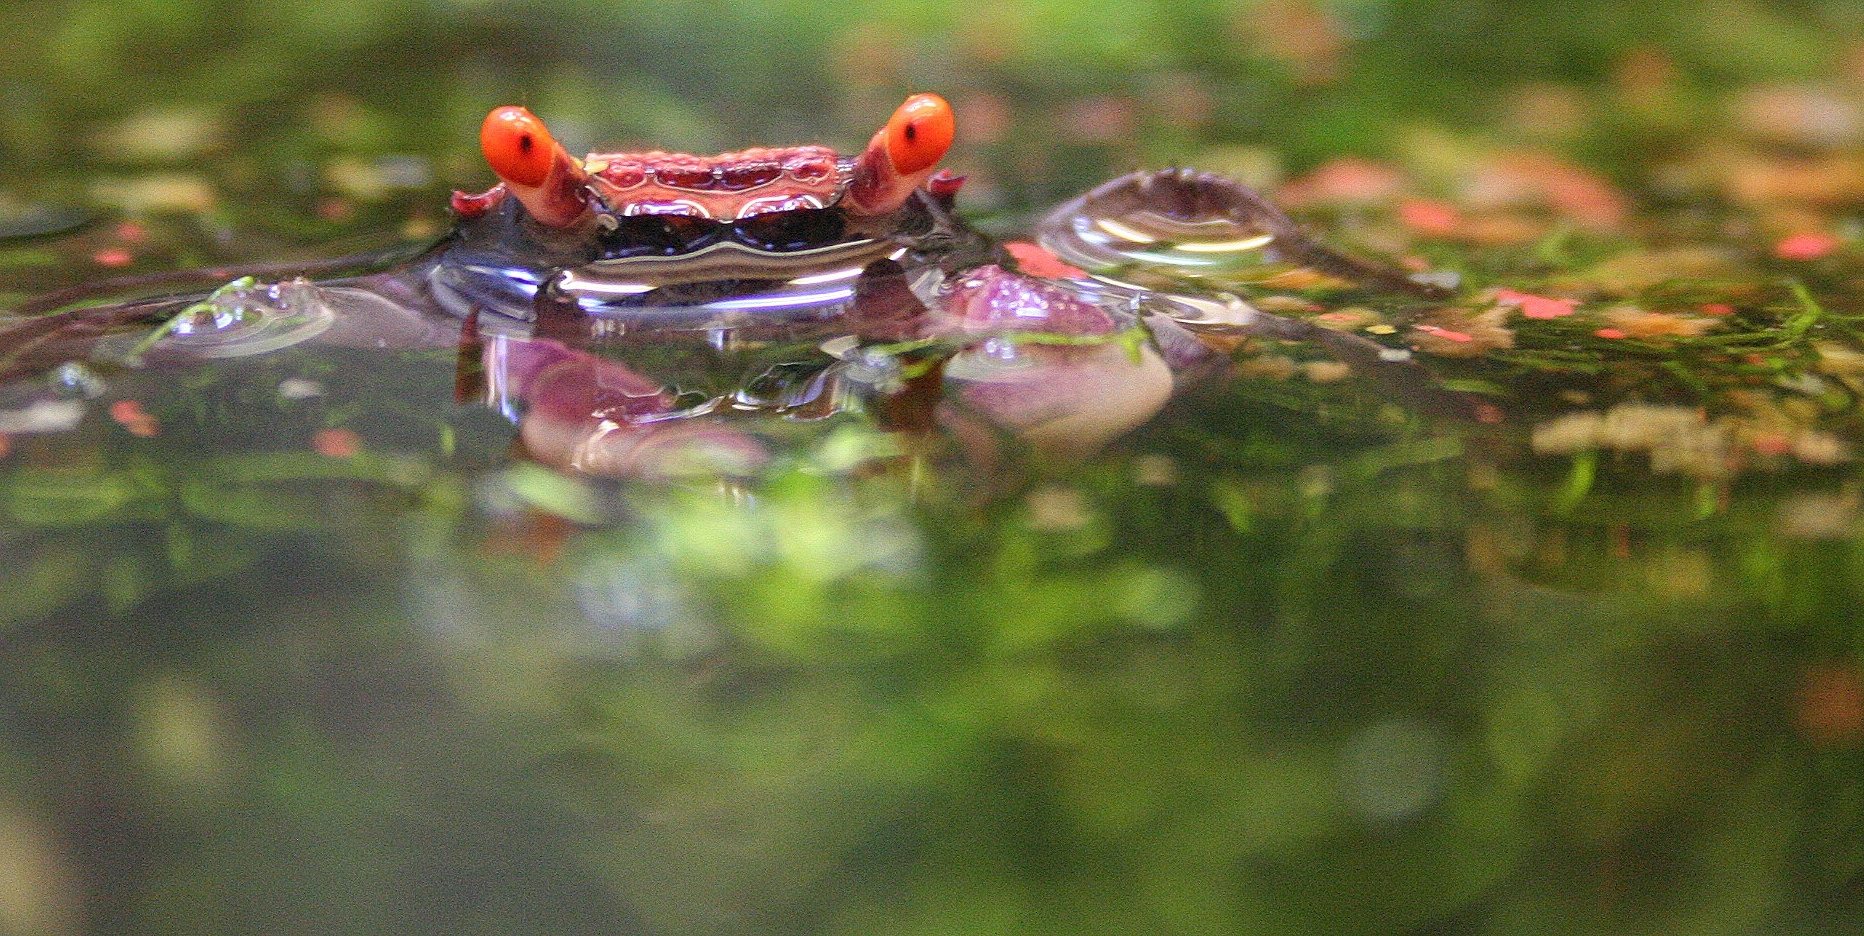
901, 157
534, 167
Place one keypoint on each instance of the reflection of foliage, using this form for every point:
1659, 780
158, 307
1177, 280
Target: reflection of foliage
852, 720
127, 531
1281, 664
1271, 696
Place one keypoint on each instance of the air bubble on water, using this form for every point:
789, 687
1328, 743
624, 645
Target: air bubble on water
75, 380
246, 317
1199, 314
841, 347
872, 368
1126, 234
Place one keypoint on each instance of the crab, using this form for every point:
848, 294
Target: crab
811, 281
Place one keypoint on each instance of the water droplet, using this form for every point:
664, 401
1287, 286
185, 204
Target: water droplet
1171, 224
245, 317
75, 380
872, 368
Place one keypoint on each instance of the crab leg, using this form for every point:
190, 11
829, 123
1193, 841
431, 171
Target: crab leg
901, 157
534, 167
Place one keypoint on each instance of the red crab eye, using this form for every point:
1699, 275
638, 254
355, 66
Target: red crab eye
517, 146
919, 133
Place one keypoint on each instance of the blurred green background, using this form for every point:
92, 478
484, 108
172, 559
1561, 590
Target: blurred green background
1052, 96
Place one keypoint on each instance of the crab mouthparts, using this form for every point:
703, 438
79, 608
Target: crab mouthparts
649, 234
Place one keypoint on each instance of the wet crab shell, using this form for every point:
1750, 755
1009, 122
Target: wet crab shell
725, 187
682, 271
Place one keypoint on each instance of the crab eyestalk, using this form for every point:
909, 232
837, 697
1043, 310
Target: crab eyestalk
535, 168
901, 157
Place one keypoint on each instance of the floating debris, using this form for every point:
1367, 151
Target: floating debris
1829, 707
131, 416
298, 388
1684, 440
1812, 245
42, 416
1639, 323
1454, 332
336, 443
180, 193
1536, 307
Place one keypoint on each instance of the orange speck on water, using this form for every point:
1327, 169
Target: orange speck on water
1344, 319
1430, 217
131, 416
1489, 413
540, 537
1570, 190
132, 232
546, 535
336, 443
1344, 181
113, 257
1829, 707
1536, 307
1716, 308
6, 445
1445, 333
1771, 443
1809, 245
1610, 333
1037, 261
1621, 540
